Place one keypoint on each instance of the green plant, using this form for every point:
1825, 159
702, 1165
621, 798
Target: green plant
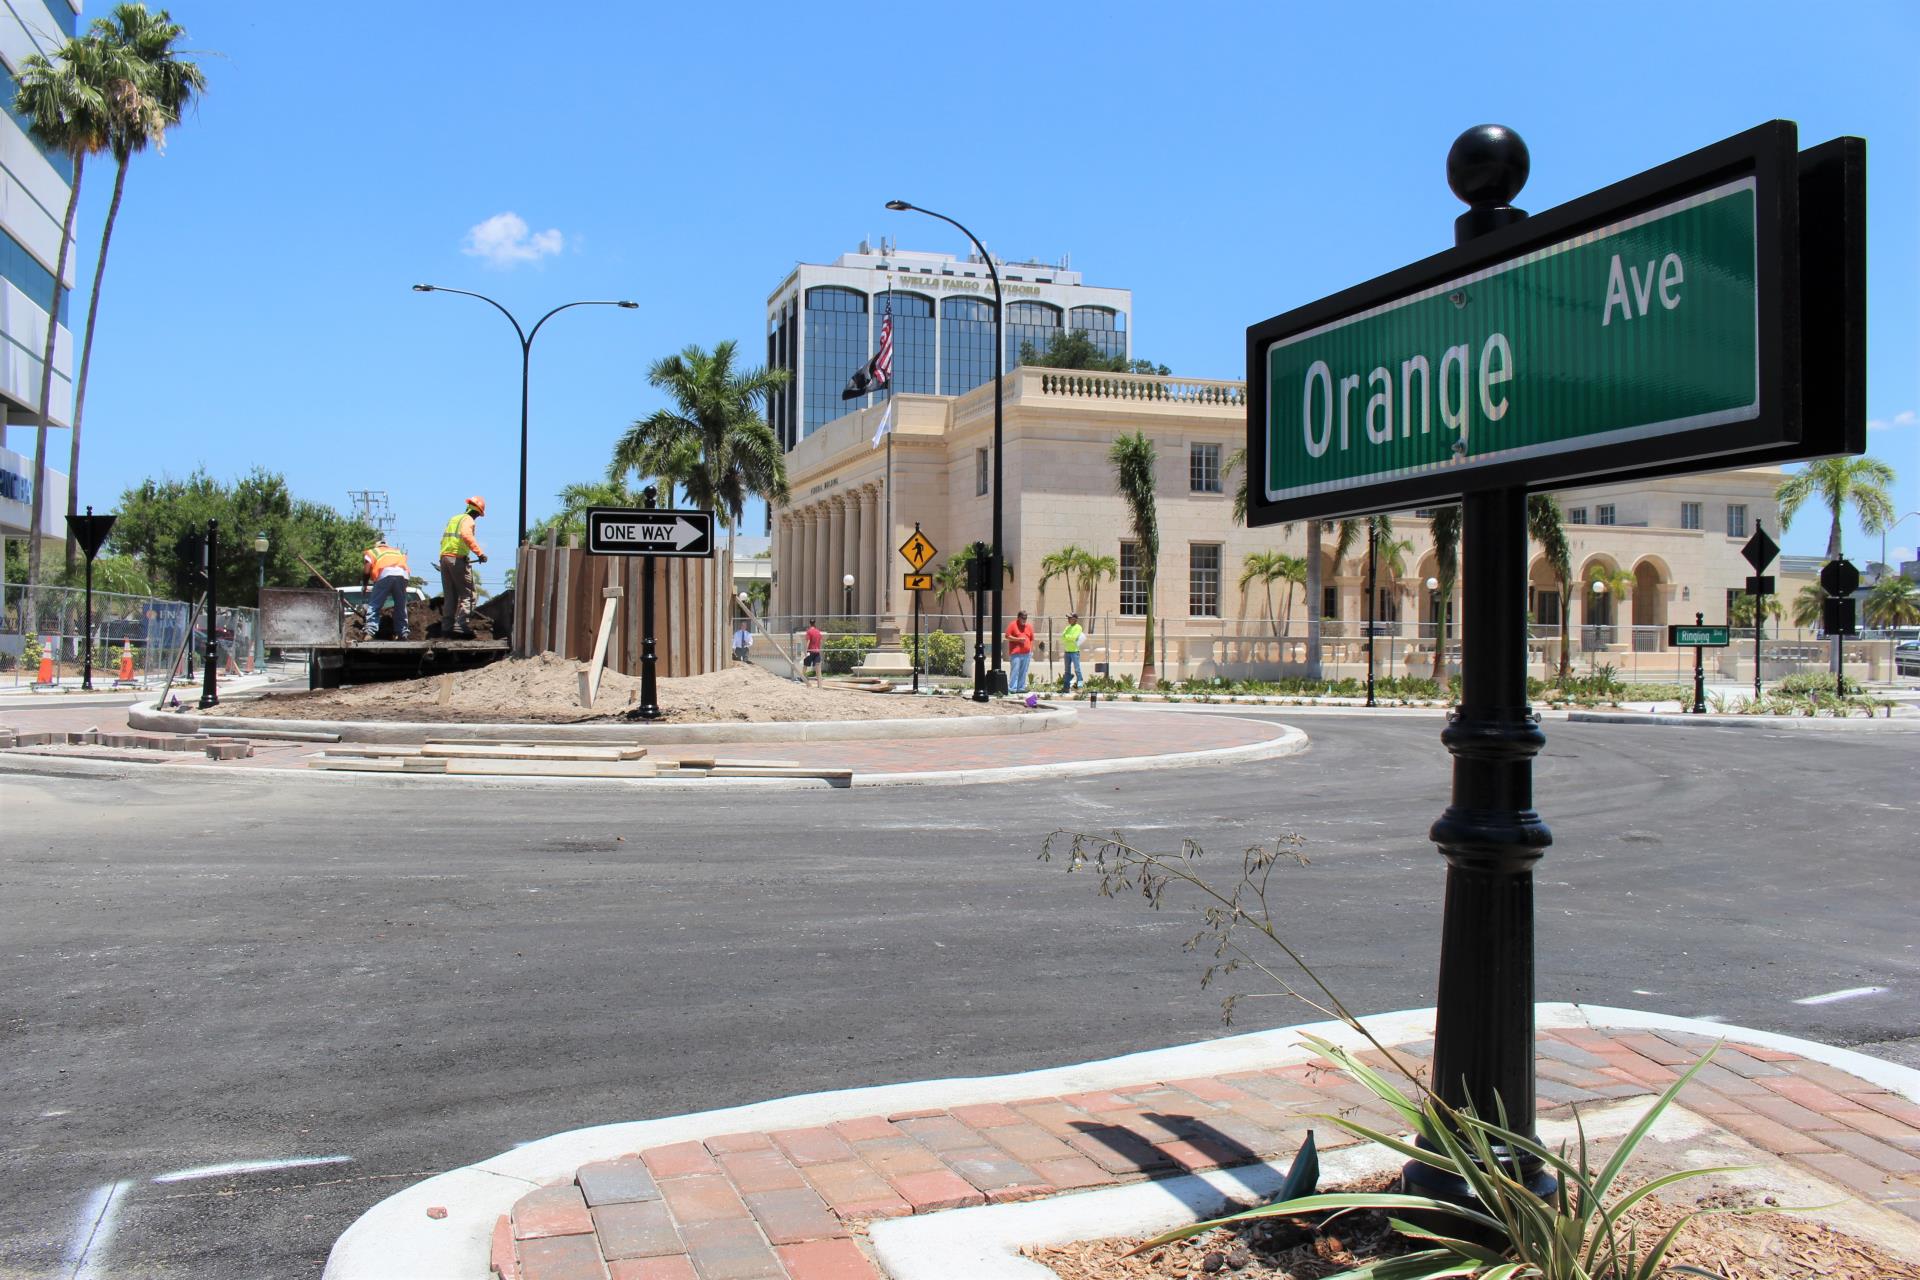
1816, 682
30, 652
942, 654
1133, 459
842, 653
1582, 1232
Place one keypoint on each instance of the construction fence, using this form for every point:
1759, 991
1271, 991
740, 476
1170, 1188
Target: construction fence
146, 628
1205, 649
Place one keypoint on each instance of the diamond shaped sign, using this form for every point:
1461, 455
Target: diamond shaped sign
1760, 549
917, 550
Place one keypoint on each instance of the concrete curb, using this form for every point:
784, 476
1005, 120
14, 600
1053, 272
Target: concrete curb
382, 731
396, 1236
1286, 742
1818, 724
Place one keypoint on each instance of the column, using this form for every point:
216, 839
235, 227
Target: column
850, 561
778, 600
817, 571
836, 553
884, 561
869, 587
800, 599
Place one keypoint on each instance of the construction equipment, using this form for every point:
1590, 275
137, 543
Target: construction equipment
317, 622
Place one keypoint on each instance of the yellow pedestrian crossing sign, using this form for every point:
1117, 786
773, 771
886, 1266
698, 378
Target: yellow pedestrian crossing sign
918, 581
918, 550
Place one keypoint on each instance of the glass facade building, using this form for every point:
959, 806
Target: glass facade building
823, 324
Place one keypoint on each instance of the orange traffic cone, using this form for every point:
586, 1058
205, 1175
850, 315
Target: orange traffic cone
46, 671
126, 666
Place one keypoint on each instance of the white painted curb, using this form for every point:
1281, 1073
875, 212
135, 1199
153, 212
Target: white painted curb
396, 1237
1829, 724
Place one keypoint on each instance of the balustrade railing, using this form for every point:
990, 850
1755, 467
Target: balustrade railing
1142, 387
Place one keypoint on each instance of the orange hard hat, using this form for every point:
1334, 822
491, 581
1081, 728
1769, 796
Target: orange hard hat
478, 504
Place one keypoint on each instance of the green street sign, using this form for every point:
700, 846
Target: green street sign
1698, 637
1643, 327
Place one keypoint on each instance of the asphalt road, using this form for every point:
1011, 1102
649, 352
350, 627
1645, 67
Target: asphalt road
392, 984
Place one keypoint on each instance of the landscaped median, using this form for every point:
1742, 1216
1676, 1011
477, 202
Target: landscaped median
959, 1179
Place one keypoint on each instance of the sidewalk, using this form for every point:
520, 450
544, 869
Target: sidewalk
817, 1198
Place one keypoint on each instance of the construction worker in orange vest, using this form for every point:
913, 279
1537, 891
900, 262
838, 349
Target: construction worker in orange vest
385, 571
456, 574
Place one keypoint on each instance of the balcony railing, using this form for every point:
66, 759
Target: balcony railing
1078, 385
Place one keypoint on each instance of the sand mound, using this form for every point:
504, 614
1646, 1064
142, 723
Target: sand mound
546, 689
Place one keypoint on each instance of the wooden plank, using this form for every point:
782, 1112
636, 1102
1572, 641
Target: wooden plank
630, 656
372, 751
590, 678
556, 768
445, 696
484, 751
344, 765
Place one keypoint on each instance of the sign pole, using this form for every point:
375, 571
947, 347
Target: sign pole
1490, 834
86, 648
1700, 672
210, 681
649, 692
916, 642
1373, 531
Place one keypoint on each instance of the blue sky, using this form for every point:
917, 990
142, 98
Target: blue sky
1225, 162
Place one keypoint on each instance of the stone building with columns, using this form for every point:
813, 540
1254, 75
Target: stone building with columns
1677, 540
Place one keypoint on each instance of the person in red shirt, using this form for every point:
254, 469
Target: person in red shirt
812, 665
1019, 652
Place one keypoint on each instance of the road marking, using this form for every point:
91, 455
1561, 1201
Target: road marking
95, 1227
248, 1166
1834, 997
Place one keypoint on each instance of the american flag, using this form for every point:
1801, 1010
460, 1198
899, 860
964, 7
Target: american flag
883, 359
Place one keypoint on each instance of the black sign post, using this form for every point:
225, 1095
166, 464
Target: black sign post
210, 568
978, 573
1839, 579
1759, 552
649, 532
1522, 360
89, 531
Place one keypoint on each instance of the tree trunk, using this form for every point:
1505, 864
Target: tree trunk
46, 396
1273, 619
86, 356
1149, 678
1315, 590
1566, 628
1833, 535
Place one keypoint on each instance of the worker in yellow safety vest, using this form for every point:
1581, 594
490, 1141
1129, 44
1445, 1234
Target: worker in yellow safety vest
385, 573
456, 574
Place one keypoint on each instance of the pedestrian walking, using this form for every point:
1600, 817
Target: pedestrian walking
456, 573
811, 668
1019, 652
1072, 677
742, 642
384, 573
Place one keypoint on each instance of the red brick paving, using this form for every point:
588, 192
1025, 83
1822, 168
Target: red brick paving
793, 1204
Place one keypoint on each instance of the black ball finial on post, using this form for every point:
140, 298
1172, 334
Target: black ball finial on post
1486, 167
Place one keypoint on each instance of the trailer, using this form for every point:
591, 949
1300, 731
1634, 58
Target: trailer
316, 621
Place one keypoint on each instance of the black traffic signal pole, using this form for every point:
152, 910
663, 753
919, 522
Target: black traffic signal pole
1700, 672
1490, 834
1372, 593
977, 568
649, 691
210, 681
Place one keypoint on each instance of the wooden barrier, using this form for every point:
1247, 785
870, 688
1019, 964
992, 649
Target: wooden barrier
558, 595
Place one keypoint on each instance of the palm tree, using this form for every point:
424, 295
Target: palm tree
152, 89
950, 579
1619, 586
1740, 610
64, 100
571, 520
1836, 482
1060, 564
1133, 459
1444, 526
1807, 606
1088, 572
1893, 602
714, 442
1545, 527
1267, 568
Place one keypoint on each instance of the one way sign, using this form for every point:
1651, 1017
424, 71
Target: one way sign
625, 531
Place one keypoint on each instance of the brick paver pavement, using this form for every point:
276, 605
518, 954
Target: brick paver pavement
792, 1204
1108, 733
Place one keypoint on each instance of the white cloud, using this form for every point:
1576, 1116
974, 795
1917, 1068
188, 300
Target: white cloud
1905, 418
504, 240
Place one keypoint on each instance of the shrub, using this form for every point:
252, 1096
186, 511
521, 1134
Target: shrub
941, 653
1816, 682
31, 652
844, 652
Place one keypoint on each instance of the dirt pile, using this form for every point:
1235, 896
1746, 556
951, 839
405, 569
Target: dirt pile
423, 622
546, 689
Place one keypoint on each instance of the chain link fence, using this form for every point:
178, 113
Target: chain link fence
141, 635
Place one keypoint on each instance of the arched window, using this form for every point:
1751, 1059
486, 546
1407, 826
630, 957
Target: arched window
966, 345
913, 340
836, 346
1035, 322
1104, 327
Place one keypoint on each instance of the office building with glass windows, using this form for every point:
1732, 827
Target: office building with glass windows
823, 323
34, 186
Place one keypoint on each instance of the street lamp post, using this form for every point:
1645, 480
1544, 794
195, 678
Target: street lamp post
1439, 625
526, 360
846, 596
260, 545
1593, 629
997, 678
